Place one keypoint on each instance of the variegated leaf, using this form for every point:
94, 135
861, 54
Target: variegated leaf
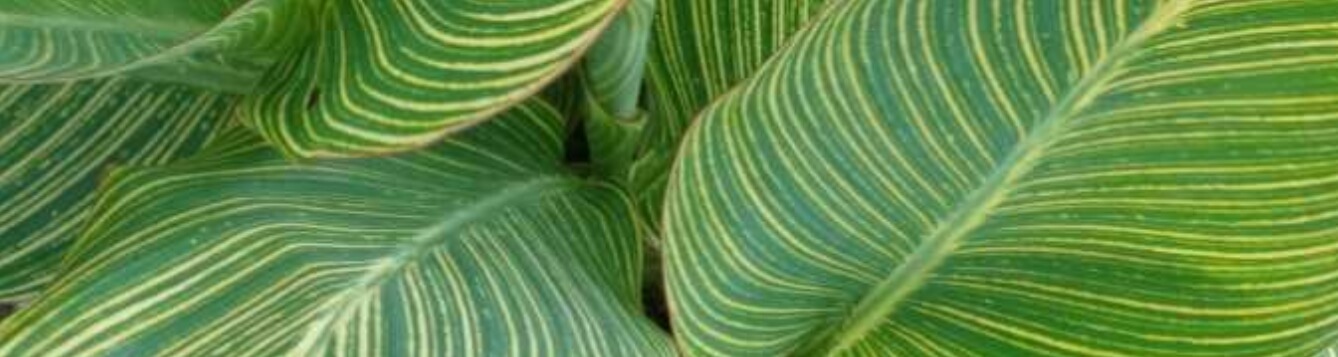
614, 74
391, 76
58, 140
1019, 178
218, 44
700, 50
480, 246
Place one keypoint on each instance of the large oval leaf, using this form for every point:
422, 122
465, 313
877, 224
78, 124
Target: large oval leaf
479, 246
389, 76
57, 141
219, 44
1020, 178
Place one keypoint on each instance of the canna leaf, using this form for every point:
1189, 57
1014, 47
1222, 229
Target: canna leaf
700, 50
216, 44
1019, 178
482, 245
614, 73
390, 76
616, 65
58, 140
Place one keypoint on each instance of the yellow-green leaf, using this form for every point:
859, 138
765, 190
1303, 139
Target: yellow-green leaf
480, 246
1019, 178
218, 44
390, 76
700, 50
57, 141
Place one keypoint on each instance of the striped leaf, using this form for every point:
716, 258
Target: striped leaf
614, 73
218, 44
1019, 178
389, 76
479, 246
700, 50
616, 64
57, 141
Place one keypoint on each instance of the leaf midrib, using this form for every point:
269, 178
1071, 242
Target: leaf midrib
425, 241
882, 302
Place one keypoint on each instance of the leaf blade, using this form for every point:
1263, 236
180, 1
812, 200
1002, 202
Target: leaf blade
382, 82
219, 44
700, 50
481, 245
935, 165
59, 140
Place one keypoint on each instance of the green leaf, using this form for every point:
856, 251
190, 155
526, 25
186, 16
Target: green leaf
217, 44
616, 65
613, 142
390, 76
57, 141
613, 74
700, 50
482, 245
1019, 178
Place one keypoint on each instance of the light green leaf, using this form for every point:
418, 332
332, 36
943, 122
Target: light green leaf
1328, 352
482, 245
57, 141
217, 44
390, 76
700, 50
1019, 178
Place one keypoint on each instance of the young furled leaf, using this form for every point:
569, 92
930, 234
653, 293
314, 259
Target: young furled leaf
613, 76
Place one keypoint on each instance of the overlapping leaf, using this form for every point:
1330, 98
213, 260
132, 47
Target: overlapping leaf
389, 76
375, 77
57, 141
700, 50
220, 44
1020, 178
478, 246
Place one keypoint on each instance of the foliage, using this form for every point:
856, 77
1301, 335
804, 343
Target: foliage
783, 177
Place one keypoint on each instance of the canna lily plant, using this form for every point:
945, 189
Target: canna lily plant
669, 177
